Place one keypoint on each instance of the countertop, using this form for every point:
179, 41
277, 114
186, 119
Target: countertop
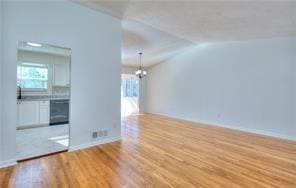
44, 97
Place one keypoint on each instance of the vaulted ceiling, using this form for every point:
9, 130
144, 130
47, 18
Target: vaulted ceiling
160, 29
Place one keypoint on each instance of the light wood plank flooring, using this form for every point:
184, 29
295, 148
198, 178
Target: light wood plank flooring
156, 151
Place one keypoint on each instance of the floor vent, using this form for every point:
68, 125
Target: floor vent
100, 133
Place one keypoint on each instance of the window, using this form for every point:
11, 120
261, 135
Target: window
130, 87
32, 76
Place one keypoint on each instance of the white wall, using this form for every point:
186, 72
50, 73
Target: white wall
95, 40
294, 84
1, 79
128, 70
142, 95
244, 85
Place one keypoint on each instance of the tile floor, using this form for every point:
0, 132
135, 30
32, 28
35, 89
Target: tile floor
43, 140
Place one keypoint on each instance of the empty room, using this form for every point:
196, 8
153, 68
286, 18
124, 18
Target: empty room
128, 93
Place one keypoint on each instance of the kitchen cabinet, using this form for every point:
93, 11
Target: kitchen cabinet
44, 112
28, 113
61, 74
33, 113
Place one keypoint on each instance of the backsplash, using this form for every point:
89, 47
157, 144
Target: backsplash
60, 90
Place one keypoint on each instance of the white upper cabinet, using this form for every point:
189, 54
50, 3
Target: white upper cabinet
61, 74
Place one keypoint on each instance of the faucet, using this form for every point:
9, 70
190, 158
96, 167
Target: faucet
20, 92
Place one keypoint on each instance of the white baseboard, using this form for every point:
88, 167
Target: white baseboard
94, 143
259, 132
7, 163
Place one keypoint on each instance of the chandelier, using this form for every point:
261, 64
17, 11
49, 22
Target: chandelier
140, 73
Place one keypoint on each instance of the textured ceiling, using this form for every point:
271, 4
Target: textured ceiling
155, 44
161, 28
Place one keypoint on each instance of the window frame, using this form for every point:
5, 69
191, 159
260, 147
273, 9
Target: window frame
21, 64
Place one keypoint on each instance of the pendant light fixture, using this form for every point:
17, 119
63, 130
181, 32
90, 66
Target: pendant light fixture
140, 73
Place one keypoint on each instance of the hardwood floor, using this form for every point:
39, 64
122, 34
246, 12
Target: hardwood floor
156, 151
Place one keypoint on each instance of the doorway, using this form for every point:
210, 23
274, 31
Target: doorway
129, 95
43, 99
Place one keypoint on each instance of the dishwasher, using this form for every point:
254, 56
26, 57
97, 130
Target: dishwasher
59, 111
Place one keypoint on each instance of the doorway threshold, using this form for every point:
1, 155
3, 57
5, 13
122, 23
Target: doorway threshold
41, 156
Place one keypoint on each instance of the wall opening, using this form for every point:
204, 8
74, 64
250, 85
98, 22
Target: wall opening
129, 95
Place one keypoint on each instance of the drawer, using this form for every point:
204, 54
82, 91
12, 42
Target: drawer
46, 102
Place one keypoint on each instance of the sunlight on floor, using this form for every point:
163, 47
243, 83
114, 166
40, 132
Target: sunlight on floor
129, 105
63, 140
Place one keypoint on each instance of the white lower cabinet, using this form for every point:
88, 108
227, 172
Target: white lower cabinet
28, 113
32, 113
44, 112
